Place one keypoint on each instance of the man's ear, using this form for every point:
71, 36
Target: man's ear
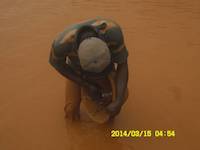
101, 26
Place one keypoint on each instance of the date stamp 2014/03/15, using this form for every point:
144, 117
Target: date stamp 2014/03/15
142, 133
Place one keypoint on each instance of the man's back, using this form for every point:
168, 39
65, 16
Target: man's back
65, 45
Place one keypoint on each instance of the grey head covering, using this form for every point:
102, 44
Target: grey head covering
94, 55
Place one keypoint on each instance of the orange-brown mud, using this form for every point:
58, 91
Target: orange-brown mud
163, 39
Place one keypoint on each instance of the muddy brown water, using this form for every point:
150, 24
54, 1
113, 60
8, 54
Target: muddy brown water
163, 39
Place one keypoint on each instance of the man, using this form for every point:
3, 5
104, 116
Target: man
92, 49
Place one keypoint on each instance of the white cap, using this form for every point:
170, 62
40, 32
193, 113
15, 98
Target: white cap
94, 55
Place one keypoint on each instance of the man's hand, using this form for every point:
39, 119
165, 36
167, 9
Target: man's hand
113, 108
72, 112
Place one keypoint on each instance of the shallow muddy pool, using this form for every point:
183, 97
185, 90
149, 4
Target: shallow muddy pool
163, 39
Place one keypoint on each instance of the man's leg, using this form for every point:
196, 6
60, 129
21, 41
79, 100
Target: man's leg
72, 100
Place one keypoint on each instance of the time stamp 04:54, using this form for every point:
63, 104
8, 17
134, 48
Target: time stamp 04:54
143, 133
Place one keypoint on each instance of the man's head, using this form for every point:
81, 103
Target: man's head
94, 55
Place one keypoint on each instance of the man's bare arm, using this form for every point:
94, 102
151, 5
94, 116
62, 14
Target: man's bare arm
66, 71
121, 82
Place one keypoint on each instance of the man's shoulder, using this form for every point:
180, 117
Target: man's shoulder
65, 40
114, 37
111, 31
69, 32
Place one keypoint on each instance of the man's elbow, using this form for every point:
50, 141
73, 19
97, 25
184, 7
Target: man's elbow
51, 62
